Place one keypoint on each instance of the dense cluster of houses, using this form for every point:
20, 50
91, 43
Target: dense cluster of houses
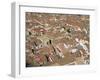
56, 39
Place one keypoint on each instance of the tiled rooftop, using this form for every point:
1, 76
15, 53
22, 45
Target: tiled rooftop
57, 39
